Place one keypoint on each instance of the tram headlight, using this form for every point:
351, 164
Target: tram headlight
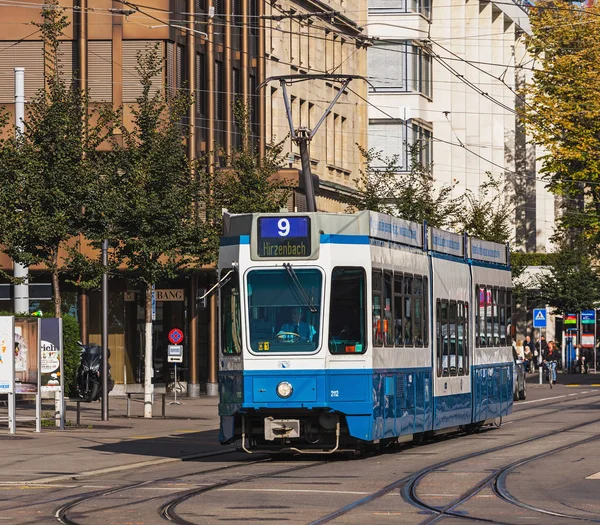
284, 389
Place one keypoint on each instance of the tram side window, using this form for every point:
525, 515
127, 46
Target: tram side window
460, 339
408, 311
482, 308
377, 307
502, 315
443, 339
388, 325
231, 334
466, 340
508, 315
452, 338
496, 330
398, 302
347, 312
418, 300
425, 311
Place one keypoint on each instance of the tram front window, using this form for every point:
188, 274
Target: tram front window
284, 310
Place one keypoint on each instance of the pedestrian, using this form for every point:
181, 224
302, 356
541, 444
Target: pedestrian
520, 350
542, 346
551, 361
530, 348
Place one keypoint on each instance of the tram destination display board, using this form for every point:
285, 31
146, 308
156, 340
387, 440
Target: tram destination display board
283, 237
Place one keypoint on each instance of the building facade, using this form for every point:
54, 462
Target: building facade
221, 51
446, 75
310, 37
210, 48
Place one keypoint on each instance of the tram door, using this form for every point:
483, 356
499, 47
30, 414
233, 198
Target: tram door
452, 354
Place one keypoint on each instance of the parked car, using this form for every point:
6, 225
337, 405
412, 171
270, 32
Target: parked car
519, 381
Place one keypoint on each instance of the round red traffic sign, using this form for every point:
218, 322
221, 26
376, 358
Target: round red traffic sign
176, 336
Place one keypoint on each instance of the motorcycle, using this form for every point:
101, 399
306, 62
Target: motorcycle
89, 373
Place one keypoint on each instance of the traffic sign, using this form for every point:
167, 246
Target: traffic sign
176, 336
539, 318
588, 317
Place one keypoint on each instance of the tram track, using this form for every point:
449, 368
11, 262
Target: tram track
408, 484
62, 513
168, 512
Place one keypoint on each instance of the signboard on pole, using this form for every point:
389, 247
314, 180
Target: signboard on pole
539, 318
7, 354
153, 303
176, 336
52, 355
27, 355
588, 317
570, 319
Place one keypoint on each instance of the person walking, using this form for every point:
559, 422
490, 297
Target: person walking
551, 361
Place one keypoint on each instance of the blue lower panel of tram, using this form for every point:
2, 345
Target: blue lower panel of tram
492, 391
377, 404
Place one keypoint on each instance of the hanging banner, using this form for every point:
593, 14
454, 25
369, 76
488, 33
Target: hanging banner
52, 354
27, 355
7, 352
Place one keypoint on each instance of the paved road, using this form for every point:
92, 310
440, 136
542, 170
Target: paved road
541, 466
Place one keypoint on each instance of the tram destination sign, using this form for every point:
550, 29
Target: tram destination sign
283, 236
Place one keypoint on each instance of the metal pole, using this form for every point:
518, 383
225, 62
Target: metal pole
12, 424
21, 290
309, 190
105, 331
38, 410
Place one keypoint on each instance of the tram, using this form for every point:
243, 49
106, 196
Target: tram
339, 331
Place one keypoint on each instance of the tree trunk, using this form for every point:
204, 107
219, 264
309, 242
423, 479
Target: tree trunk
148, 360
56, 288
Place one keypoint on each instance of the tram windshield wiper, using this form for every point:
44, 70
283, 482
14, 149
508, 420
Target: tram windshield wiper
294, 276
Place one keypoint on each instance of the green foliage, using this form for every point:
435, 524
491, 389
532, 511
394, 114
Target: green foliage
71, 350
563, 108
485, 214
572, 283
149, 195
382, 187
49, 174
242, 181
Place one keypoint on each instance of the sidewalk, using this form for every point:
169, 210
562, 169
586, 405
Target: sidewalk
571, 380
97, 446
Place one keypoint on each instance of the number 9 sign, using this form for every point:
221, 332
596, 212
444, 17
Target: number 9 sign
284, 227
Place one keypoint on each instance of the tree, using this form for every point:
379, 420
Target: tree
485, 214
563, 108
150, 196
246, 182
48, 174
572, 284
383, 187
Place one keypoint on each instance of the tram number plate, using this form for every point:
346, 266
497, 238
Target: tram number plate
281, 428
283, 237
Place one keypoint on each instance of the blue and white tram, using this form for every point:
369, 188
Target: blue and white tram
338, 331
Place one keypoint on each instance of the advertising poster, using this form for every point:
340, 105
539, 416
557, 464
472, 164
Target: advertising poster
7, 350
26, 355
51, 350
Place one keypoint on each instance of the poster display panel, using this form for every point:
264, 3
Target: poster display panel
27, 355
52, 355
7, 352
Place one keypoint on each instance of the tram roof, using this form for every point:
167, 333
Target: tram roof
381, 227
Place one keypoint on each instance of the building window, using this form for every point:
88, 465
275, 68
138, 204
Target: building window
400, 67
389, 137
422, 7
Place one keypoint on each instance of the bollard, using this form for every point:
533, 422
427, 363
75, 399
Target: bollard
540, 368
